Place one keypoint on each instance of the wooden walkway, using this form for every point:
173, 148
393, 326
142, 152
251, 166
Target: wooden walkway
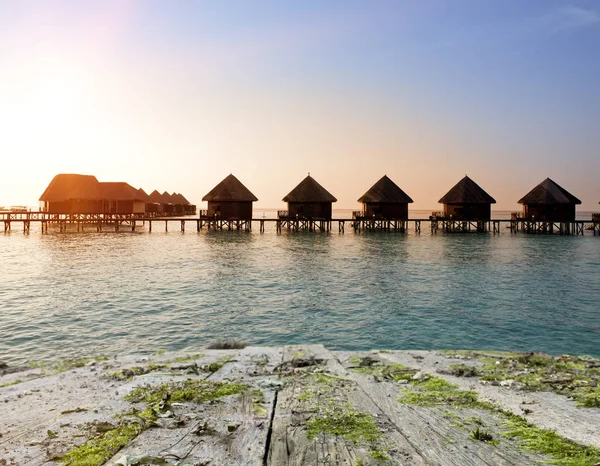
132, 222
292, 405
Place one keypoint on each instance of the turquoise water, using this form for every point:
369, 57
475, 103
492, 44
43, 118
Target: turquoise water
67, 295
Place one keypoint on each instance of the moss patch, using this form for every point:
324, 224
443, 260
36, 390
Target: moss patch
130, 372
355, 426
8, 384
435, 391
577, 377
107, 442
564, 451
197, 391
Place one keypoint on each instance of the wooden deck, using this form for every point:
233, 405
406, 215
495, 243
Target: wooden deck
131, 222
293, 405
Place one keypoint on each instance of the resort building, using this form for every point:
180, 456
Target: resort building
168, 208
309, 200
153, 205
467, 201
84, 194
549, 202
121, 198
385, 200
229, 200
72, 194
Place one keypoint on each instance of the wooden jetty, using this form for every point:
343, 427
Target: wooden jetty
297, 405
103, 222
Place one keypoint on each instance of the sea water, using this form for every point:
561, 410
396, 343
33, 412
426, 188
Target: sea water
81, 294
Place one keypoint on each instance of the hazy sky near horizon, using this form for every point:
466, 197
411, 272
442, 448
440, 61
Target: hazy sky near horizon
176, 95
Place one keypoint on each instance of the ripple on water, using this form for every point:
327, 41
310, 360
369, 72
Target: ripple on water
66, 295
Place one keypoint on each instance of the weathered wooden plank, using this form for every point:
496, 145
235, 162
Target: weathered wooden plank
230, 430
323, 392
549, 410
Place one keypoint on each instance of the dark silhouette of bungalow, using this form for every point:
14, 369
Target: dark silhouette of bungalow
309, 200
385, 200
230, 200
154, 205
549, 202
467, 201
166, 201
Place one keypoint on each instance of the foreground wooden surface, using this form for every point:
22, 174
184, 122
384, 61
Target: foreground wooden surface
296, 398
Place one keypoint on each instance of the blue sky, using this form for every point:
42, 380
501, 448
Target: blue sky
422, 91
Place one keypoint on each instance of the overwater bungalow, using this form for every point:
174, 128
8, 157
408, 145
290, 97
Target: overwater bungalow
229, 200
384, 200
309, 200
549, 202
168, 207
467, 201
155, 203
121, 198
84, 194
72, 194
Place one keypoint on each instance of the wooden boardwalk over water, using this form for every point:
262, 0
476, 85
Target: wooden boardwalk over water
131, 222
297, 405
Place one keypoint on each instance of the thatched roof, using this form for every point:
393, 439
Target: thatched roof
70, 186
230, 190
466, 191
165, 198
548, 192
119, 191
155, 197
385, 191
184, 200
309, 191
143, 196
179, 199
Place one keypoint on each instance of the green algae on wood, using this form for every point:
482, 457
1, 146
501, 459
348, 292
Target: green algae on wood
435, 391
187, 391
108, 441
8, 384
577, 377
564, 451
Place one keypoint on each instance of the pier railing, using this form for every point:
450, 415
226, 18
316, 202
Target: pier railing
283, 214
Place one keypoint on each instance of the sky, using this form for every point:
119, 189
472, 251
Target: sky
176, 95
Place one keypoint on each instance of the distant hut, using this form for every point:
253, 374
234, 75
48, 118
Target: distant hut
467, 201
72, 194
230, 200
549, 202
166, 201
177, 203
189, 208
309, 200
145, 198
385, 200
155, 204
121, 198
